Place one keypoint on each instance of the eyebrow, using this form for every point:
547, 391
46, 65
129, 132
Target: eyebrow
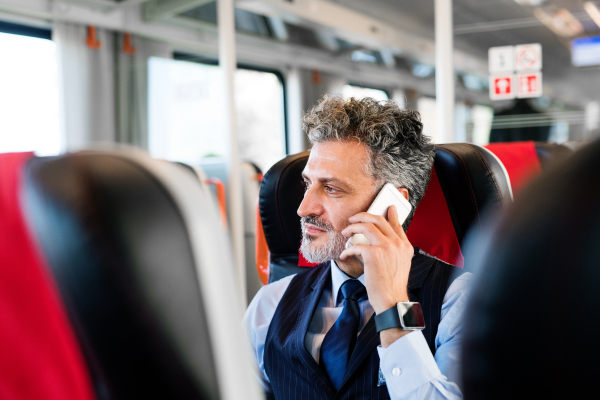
330, 180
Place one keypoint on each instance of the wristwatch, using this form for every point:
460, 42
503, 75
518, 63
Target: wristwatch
406, 315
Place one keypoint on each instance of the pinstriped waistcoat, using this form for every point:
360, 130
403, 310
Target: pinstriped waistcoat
292, 371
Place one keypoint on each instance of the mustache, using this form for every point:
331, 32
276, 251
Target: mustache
316, 221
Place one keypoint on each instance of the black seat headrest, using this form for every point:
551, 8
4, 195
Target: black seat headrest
532, 322
470, 176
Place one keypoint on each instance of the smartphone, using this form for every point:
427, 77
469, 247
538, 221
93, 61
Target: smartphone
387, 196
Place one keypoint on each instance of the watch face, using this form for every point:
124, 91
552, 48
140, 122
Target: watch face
411, 315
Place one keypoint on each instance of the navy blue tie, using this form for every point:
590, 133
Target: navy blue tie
340, 340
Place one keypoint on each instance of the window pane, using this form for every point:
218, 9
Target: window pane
29, 101
427, 108
260, 117
186, 113
482, 117
361, 92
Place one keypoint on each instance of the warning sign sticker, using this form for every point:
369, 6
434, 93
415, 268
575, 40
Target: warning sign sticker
529, 85
528, 57
502, 87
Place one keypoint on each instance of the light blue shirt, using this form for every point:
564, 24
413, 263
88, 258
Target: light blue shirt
409, 368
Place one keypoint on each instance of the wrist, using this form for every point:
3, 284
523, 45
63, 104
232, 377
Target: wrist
389, 336
389, 302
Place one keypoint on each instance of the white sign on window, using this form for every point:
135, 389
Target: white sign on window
528, 57
501, 59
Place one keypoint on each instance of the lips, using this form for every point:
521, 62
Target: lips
311, 229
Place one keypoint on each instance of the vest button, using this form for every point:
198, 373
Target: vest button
396, 371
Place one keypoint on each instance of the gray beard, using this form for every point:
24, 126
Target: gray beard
331, 250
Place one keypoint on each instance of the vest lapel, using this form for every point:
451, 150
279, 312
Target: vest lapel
306, 312
419, 270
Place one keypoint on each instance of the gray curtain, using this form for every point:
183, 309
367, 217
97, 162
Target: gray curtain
103, 91
132, 92
87, 87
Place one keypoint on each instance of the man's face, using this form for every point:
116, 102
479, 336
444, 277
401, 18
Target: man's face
337, 187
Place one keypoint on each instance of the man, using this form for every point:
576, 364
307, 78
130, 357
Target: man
313, 333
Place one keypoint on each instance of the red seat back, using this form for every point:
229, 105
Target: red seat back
525, 160
41, 357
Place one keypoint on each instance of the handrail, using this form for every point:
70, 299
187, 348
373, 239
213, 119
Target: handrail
127, 44
220, 187
92, 39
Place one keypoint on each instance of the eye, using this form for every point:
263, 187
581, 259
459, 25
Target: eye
330, 189
306, 185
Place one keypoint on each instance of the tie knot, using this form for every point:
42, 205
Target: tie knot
352, 289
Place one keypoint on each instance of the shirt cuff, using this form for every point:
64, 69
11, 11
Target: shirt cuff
407, 364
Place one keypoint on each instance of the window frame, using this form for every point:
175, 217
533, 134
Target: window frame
360, 85
25, 30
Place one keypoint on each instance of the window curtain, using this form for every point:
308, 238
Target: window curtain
103, 89
132, 83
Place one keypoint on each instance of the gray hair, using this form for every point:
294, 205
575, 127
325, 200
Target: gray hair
400, 154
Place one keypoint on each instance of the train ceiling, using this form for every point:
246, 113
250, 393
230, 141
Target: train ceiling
396, 36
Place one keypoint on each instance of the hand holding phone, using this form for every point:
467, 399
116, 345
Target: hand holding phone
387, 196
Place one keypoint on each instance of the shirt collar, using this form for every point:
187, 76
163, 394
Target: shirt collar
338, 277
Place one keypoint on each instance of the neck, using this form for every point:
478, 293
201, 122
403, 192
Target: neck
350, 267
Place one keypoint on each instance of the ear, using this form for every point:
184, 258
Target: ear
403, 192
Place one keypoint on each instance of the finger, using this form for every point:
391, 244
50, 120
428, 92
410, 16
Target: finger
382, 224
371, 232
356, 250
392, 214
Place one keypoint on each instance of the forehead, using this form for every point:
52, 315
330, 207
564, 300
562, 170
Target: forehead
345, 160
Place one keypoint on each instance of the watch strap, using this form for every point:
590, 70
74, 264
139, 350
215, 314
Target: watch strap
388, 319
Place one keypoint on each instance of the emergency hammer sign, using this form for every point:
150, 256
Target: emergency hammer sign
515, 71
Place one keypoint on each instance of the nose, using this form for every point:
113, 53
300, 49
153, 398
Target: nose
311, 204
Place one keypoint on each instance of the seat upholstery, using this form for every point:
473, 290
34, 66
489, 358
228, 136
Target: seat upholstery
41, 357
466, 180
531, 325
144, 271
525, 160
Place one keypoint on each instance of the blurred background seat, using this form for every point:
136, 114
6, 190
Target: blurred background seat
525, 160
466, 179
532, 326
131, 292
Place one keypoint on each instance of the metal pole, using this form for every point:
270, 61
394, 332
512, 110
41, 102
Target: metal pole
227, 62
444, 71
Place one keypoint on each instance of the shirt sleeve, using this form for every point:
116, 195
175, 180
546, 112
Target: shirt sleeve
257, 320
409, 368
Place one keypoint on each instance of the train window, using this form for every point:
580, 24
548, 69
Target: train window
185, 113
473, 124
29, 98
360, 92
481, 118
427, 108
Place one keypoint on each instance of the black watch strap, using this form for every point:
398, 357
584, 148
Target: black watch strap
388, 319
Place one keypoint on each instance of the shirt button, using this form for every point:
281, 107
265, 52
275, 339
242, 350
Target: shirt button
396, 371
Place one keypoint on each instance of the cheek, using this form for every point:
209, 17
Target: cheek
340, 220
345, 212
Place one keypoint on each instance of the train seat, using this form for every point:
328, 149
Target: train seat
531, 326
465, 179
109, 286
525, 160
